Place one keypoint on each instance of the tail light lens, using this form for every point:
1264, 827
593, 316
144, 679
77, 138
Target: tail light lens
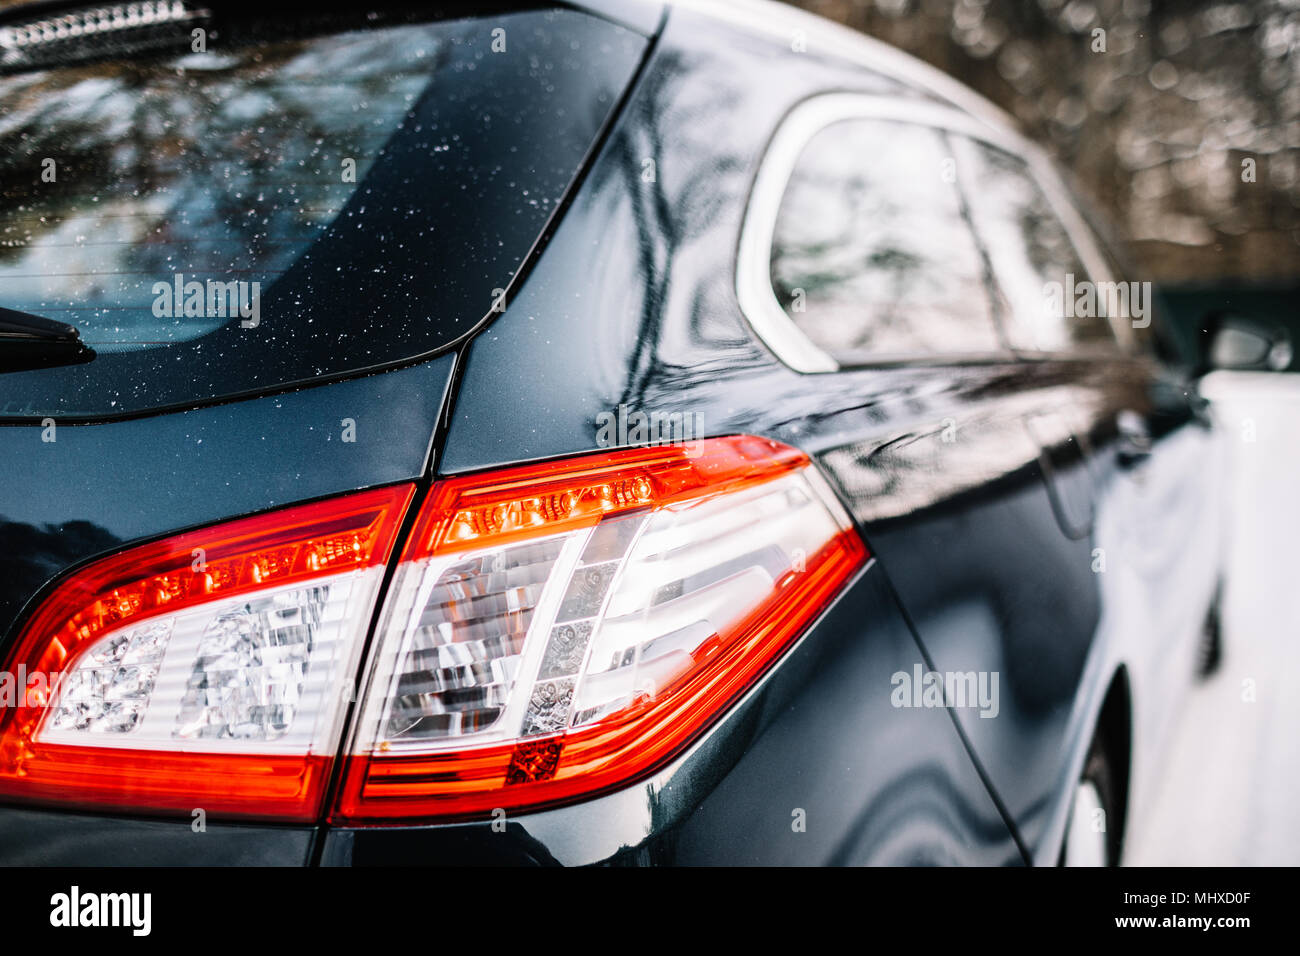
558, 630
551, 632
209, 670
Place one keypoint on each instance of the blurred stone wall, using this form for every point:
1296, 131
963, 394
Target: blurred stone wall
1154, 115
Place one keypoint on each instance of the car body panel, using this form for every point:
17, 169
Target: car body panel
995, 582
31, 837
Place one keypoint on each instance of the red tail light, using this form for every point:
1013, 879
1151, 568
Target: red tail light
209, 670
551, 632
558, 630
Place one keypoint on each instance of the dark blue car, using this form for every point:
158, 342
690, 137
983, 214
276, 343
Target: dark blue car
589, 432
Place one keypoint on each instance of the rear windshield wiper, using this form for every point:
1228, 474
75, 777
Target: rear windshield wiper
29, 341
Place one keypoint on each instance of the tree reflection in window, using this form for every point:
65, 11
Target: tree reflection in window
225, 164
1030, 252
871, 255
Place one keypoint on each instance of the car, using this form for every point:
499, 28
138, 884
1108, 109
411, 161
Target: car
600, 432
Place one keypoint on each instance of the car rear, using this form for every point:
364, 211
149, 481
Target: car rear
270, 231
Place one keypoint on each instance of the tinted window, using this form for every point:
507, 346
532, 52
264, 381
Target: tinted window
871, 256
374, 178
1037, 268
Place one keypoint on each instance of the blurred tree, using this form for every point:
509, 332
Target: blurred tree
1180, 117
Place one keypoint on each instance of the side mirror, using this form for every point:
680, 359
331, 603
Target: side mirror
1232, 342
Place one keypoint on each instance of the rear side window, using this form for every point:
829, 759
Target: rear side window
872, 257
1038, 270
375, 178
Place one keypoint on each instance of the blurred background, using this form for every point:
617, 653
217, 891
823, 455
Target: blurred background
1181, 120
1154, 115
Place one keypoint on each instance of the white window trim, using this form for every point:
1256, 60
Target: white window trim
754, 290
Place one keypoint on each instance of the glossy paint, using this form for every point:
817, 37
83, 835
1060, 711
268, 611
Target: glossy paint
984, 491
989, 491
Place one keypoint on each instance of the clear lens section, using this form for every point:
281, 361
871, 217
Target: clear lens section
248, 679
264, 672
465, 639
529, 640
569, 635
110, 689
696, 571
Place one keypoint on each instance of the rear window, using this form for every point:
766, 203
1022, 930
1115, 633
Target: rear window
277, 199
